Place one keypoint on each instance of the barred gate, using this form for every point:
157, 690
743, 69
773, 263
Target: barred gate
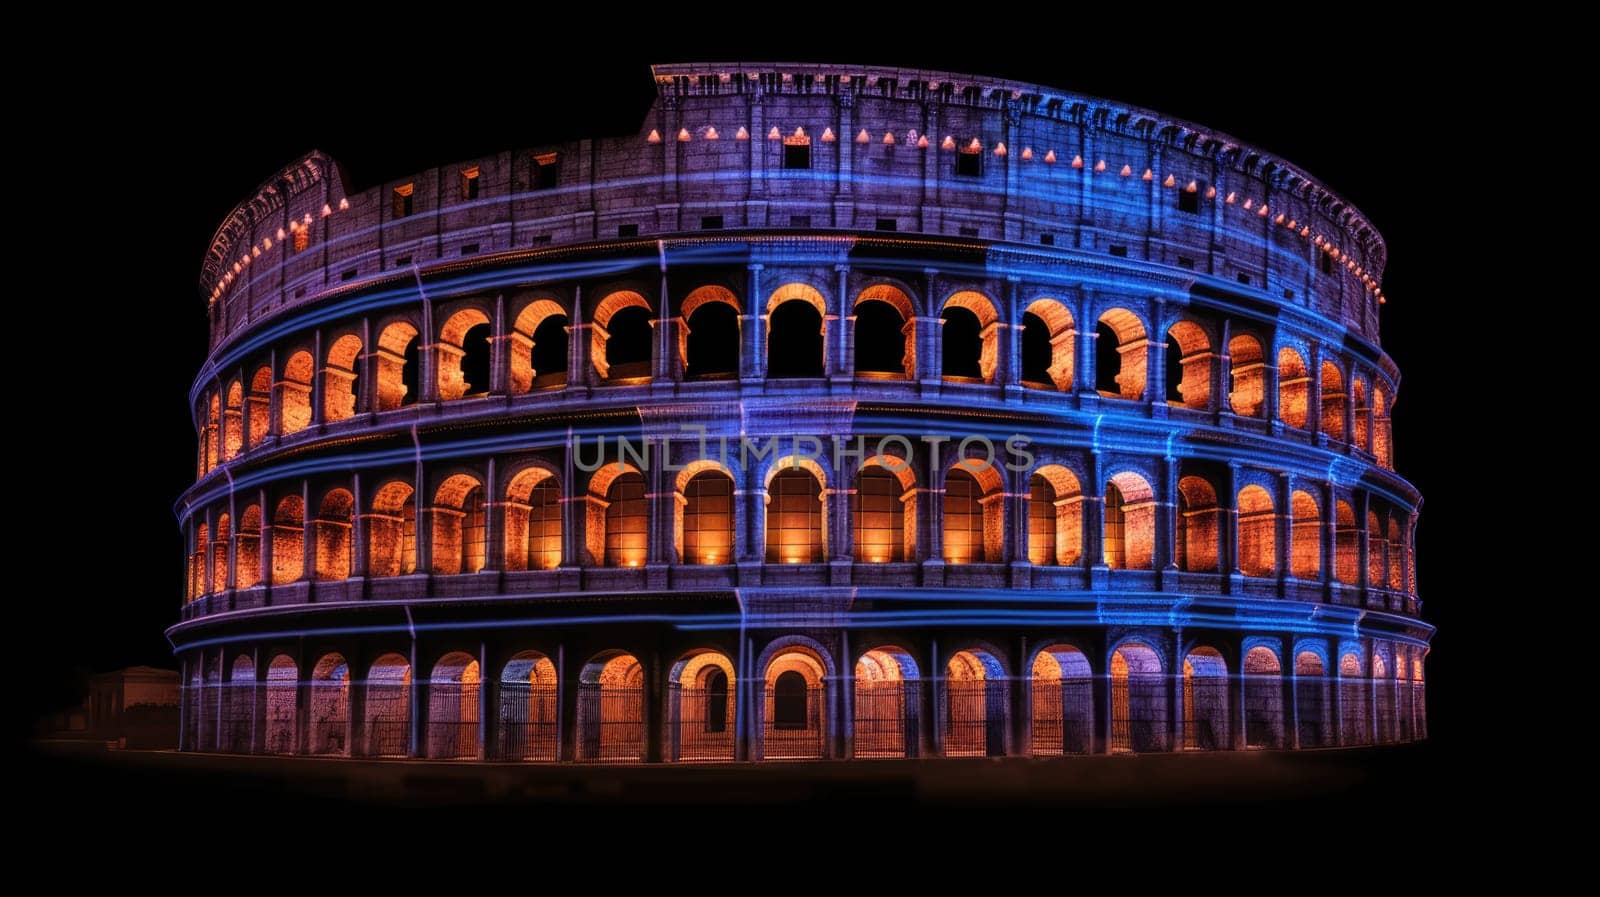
1311, 711
453, 713
701, 721
1353, 711
1419, 706
610, 724
330, 721
1205, 713
794, 743
1263, 710
1139, 713
388, 723
885, 718
191, 715
1063, 716
527, 722
1403, 692
1384, 697
238, 717
975, 717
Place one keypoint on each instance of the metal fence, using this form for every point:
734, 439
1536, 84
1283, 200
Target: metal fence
610, 724
794, 743
1263, 711
1205, 713
1138, 713
280, 730
453, 713
388, 721
885, 718
974, 718
1353, 711
388, 738
701, 723
1384, 699
1311, 711
527, 722
1063, 716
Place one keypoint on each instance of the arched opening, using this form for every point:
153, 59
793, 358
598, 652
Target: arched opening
1305, 536
1138, 700
219, 555
1346, 544
1311, 701
1362, 414
973, 504
1294, 386
259, 405
795, 329
794, 706
283, 687
239, 706
1419, 699
1383, 698
970, 333
328, 707
458, 526
533, 521
1205, 701
1121, 352
341, 379
1258, 525
883, 510
247, 556
210, 445
210, 693
538, 343
1048, 346
333, 535
528, 708
619, 344
711, 342
1396, 577
453, 707
288, 540
1248, 371
233, 422
885, 333
886, 702
975, 705
1129, 523
388, 700
1263, 699
462, 355
618, 516
706, 515
399, 366
199, 583
1332, 401
700, 708
794, 514
392, 531
1377, 552
1352, 702
1198, 525
1188, 366
294, 393
1062, 691
611, 710
1381, 442
1055, 517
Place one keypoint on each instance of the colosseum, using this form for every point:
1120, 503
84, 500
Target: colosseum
838, 412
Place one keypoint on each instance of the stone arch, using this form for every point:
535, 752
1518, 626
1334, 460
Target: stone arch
701, 707
334, 534
1381, 433
704, 513
459, 515
1048, 345
233, 421
611, 707
327, 706
529, 708
1396, 577
886, 701
533, 519
294, 393
1377, 551
618, 521
288, 540
1199, 526
454, 691
1189, 360
392, 531
1346, 544
1383, 673
885, 318
1305, 536
797, 511
1311, 699
1332, 397
1130, 522
260, 405
219, 553
399, 365
1352, 701
883, 510
341, 379
971, 347
973, 513
1294, 386
1248, 371
1055, 517
282, 706
239, 706
388, 698
462, 355
975, 697
631, 358
1263, 698
1138, 698
797, 315
1062, 698
795, 703
1123, 376
1205, 700
247, 554
538, 346
1258, 526
708, 337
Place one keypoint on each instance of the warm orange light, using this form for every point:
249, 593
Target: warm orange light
949, 143
888, 138
1100, 165
1148, 175
1262, 212
742, 135
280, 234
1170, 181
1279, 219
799, 133
773, 134
1229, 200
922, 142
1077, 161
1191, 187
1000, 148
344, 204
827, 135
1050, 156
655, 136
1127, 171
683, 135
1027, 154
863, 136
326, 210
974, 146
711, 133
1249, 203
1211, 193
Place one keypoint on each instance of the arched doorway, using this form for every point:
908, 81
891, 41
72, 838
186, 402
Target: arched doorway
1205, 701
453, 708
388, 699
611, 710
528, 696
1063, 702
1263, 699
887, 699
794, 714
329, 707
701, 708
1138, 699
975, 705
283, 685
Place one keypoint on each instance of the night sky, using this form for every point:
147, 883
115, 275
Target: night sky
142, 203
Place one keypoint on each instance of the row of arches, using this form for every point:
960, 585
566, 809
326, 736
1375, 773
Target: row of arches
1208, 365
890, 517
890, 708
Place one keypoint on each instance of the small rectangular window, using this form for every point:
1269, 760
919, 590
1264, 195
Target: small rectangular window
402, 261
799, 220
888, 224
1243, 278
1118, 251
469, 249
402, 200
1185, 262
627, 230
969, 232
969, 164
797, 155
1189, 202
348, 275
469, 183
546, 171
711, 222
1325, 262
1047, 239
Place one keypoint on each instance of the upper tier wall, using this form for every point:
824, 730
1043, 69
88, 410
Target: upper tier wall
1072, 172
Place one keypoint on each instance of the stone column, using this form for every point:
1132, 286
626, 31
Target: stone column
319, 389
1167, 517
1282, 528
494, 517
308, 531
753, 326
499, 350
841, 365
